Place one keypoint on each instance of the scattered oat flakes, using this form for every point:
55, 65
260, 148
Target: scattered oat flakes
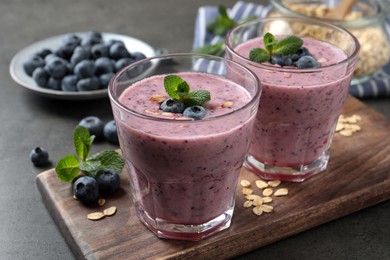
95, 216
227, 104
248, 204
267, 192
257, 201
257, 211
347, 126
274, 183
261, 184
346, 132
252, 197
101, 202
266, 208
281, 192
109, 211
247, 191
267, 199
245, 183
158, 98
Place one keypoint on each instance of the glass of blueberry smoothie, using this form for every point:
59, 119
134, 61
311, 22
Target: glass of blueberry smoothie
305, 67
184, 129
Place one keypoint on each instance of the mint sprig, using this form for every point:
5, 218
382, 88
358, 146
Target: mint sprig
179, 89
71, 165
222, 23
217, 49
285, 46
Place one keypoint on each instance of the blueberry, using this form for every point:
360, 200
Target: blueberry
79, 55
50, 56
110, 132
99, 50
117, 51
32, 63
56, 67
40, 77
54, 83
94, 125
172, 105
108, 181
105, 79
69, 83
65, 50
73, 38
88, 84
282, 60
39, 156
84, 69
306, 62
123, 62
138, 55
93, 38
86, 189
43, 53
195, 112
112, 41
104, 65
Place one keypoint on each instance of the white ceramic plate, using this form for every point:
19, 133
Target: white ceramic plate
21, 77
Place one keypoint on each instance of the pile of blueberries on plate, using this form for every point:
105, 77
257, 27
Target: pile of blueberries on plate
79, 64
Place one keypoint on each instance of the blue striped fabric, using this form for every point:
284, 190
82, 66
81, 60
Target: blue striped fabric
378, 86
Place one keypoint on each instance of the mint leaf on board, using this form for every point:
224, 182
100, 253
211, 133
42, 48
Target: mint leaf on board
197, 98
110, 159
67, 168
91, 166
82, 142
222, 23
217, 49
176, 87
288, 45
259, 55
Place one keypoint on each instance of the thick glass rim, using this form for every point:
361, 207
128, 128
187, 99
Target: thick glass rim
347, 60
117, 103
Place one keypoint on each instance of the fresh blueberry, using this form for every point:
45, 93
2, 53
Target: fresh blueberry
79, 55
138, 55
303, 51
117, 51
108, 181
43, 53
88, 84
195, 112
32, 63
282, 60
72, 38
40, 77
99, 50
172, 105
104, 65
112, 41
65, 50
56, 67
110, 132
93, 38
93, 124
69, 83
86, 189
39, 156
105, 79
54, 83
84, 69
306, 62
50, 56
123, 62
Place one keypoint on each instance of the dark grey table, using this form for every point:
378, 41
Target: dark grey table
27, 230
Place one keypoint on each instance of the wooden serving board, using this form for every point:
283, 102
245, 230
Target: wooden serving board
358, 176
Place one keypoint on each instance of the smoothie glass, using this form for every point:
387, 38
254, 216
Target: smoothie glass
299, 108
183, 173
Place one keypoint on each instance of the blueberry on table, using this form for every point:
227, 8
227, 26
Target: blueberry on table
54, 84
86, 189
108, 181
84, 69
93, 124
105, 79
39, 156
195, 112
117, 51
110, 132
99, 50
282, 60
104, 65
69, 83
40, 76
172, 105
306, 62
123, 62
88, 84
56, 67
32, 63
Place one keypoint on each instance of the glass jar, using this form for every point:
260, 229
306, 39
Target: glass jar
366, 21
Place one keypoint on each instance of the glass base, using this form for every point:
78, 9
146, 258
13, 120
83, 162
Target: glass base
297, 173
196, 232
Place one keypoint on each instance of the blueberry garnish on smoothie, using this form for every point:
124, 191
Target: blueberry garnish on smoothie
182, 100
286, 51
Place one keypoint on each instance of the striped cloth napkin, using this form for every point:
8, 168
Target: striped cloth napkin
377, 87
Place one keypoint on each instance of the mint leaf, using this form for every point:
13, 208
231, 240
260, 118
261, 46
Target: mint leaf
67, 168
82, 142
268, 40
197, 98
90, 166
110, 160
212, 49
288, 45
259, 55
176, 87
222, 23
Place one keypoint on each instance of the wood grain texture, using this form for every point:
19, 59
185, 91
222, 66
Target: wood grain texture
357, 177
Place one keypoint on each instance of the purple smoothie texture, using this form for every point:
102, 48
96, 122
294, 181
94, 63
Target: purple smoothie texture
185, 172
298, 108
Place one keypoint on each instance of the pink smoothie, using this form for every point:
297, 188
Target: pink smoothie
297, 110
185, 171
